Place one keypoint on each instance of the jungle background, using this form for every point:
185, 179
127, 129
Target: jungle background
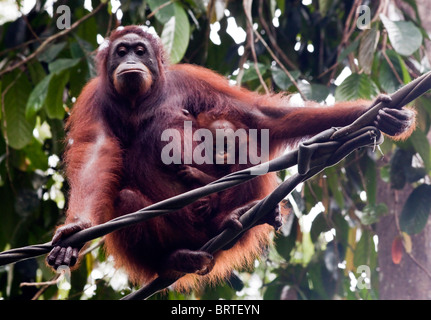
358, 230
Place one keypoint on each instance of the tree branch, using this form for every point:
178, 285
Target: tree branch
50, 39
247, 4
160, 8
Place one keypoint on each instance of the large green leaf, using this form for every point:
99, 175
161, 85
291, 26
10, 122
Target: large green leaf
356, 86
416, 210
405, 37
19, 129
49, 91
37, 97
54, 99
175, 34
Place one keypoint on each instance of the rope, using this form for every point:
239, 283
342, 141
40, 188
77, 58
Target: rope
312, 156
323, 154
400, 98
177, 202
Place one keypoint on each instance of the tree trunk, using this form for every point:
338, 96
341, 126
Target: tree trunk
406, 280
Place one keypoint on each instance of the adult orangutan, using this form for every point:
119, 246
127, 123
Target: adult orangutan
114, 166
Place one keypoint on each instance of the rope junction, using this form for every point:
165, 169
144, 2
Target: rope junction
312, 156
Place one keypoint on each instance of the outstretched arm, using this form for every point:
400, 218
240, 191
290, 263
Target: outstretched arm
285, 122
293, 123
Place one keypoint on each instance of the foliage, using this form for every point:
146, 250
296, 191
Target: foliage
331, 230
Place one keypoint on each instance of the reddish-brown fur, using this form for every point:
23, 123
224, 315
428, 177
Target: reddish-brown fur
114, 165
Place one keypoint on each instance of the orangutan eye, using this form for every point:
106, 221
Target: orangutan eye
140, 50
121, 51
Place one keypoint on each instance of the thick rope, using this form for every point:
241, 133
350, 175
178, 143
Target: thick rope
323, 154
174, 203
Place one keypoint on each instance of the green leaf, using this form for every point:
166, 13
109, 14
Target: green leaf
314, 92
415, 174
367, 48
36, 156
316, 278
51, 86
356, 86
372, 213
60, 65
349, 49
405, 71
401, 161
318, 226
80, 48
37, 97
273, 290
334, 185
363, 249
52, 52
175, 34
54, 99
422, 146
19, 129
37, 73
88, 29
387, 79
341, 227
281, 79
251, 74
78, 76
405, 37
416, 210
285, 243
164, 13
